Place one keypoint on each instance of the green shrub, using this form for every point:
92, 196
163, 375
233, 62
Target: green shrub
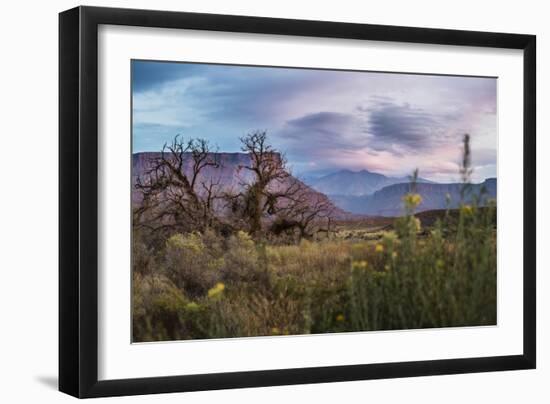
191, 265
241, 259
156, 307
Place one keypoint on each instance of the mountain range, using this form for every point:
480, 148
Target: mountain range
228, 175
362, 193
388, 200
356, 183
373, 194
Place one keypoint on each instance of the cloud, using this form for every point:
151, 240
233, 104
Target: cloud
404, 128
172, 103
483, 157
321, 119
320, 137
328, 128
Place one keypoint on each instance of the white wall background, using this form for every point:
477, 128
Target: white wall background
28, 200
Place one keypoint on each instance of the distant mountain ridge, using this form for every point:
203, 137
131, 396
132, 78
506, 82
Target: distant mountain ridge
388, 200
385, 200
356, 183
228, 175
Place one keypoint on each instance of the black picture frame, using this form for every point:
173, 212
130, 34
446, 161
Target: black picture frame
78, 201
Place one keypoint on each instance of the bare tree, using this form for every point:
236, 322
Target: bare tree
305, 213
270, 184
273, 198
180, 193
174, 194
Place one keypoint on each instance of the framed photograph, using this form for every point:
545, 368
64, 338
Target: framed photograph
251, 201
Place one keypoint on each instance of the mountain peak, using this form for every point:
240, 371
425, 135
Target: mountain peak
388, 200
349, 171
349, 182
357, 183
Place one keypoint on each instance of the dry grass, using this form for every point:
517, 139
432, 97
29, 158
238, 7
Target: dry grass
410, 277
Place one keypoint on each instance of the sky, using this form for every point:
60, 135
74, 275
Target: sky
322, 120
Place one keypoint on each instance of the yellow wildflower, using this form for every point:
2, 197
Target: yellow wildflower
379, 248
275, 330
417, 224
394, 254
192, 306
359, 264
412, 200
340, 318
467, 209
216, 290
